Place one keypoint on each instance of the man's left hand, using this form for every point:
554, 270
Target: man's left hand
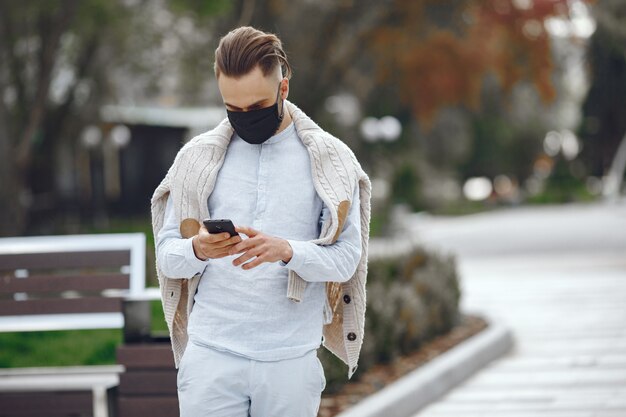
264, 247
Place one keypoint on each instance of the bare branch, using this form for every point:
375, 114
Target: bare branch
50, 47
15, 65
57, 120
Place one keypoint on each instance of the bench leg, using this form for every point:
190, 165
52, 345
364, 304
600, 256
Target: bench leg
100, 403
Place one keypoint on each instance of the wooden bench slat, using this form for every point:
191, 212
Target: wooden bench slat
58, 283
58, 260
158, 406
146, 356
148, 382
50, 404
60, 305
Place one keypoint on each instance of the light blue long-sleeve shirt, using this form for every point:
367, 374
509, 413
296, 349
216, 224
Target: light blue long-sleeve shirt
268, 187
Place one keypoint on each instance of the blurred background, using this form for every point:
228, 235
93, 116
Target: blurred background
451, 106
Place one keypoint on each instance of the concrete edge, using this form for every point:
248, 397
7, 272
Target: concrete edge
428, 383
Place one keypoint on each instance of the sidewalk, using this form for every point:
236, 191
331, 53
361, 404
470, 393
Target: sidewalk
566, 307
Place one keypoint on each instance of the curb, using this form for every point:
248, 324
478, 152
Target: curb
428, 383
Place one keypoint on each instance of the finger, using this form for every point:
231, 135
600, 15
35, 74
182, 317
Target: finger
228, 243
245, 257
252, 264
205, 236
221, 254
248, 231
217, 237
245, 245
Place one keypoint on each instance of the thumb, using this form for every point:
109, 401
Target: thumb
217, 237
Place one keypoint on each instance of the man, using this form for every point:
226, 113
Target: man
247, 314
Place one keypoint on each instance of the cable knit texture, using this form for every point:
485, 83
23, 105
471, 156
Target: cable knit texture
336, 173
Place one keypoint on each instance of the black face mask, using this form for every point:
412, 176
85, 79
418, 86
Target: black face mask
257, 126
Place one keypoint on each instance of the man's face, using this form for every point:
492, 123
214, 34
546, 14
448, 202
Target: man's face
251, 91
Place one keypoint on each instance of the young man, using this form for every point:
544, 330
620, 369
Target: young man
247, 313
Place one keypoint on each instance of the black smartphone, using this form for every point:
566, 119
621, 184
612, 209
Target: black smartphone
220, 226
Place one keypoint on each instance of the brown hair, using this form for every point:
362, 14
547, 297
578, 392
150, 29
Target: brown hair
242, 49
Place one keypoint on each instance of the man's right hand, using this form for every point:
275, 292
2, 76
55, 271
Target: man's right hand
212, 245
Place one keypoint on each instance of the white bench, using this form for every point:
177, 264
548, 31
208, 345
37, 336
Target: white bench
97, 378
68, 283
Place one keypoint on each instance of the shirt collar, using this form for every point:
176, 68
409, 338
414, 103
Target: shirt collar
285, 133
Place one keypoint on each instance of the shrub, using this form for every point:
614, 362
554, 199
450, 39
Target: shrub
411, 298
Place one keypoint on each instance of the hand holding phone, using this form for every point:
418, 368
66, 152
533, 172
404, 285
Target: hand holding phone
220, 226
221, 237
261, 247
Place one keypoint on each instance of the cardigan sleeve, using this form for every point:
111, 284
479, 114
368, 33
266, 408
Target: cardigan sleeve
175, 254
336, 262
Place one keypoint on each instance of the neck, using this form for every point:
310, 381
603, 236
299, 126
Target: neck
286, 120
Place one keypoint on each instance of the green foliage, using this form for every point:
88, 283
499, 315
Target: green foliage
81, 347
59, 348
603, 124
103, 352
377, 223
463, 207
562, 187
69, 347
499, 147
94, 15
201, 8
158, 317
405, 188
410, 300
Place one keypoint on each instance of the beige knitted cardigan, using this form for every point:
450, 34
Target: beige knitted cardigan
336, 172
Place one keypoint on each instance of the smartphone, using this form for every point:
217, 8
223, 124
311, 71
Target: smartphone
220, 226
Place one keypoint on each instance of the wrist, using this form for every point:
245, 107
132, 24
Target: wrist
196, 250
287, 252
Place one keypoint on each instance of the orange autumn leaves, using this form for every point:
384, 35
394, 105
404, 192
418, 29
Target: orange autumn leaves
443, 70
438, 52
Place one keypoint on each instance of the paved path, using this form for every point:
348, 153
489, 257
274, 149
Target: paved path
557, 277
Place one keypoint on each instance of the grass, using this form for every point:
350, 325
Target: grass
68, 347
59, 348
555, 195
463, 207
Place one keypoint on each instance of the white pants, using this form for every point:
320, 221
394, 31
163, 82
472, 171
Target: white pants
216, 383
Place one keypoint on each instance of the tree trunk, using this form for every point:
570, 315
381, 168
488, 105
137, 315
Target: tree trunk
615, 177
51, 32
12, 214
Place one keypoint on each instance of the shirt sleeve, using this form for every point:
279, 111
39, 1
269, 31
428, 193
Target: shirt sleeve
175, 255
336, 262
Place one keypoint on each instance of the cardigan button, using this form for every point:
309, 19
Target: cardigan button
172, 294
351, 336
347, 299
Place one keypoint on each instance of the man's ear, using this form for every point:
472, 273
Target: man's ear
284, 88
